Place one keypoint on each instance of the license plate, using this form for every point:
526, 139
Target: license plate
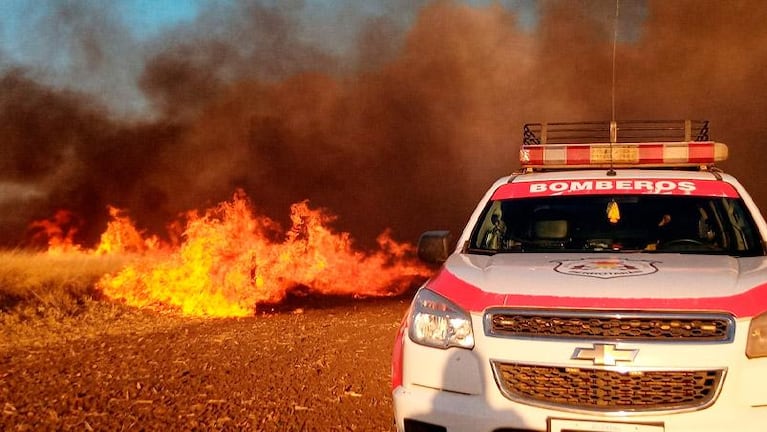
565, 425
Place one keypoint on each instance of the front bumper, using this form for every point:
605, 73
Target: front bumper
456, 389
460, 412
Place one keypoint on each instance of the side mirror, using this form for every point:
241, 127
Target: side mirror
434, 246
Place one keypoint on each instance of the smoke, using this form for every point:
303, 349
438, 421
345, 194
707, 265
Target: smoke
402, 126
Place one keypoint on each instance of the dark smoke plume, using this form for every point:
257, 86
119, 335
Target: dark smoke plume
407, 136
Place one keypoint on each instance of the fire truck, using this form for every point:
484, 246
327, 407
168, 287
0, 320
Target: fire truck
617, 282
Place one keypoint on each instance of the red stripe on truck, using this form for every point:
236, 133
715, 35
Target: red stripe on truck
746, 304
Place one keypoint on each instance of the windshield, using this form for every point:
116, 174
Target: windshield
647, 223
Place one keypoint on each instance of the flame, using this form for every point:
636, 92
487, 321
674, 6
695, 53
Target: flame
58, 232
122, 236
230, 260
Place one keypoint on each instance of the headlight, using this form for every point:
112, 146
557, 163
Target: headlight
437, 322
757, 337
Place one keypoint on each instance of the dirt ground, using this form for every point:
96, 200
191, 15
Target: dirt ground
311, 364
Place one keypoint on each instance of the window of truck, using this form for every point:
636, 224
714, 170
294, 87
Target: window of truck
641, 222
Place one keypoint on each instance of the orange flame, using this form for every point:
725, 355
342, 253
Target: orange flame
122, 236
58, 232
231, 260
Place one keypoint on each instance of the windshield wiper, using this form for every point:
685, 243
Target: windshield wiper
478, 251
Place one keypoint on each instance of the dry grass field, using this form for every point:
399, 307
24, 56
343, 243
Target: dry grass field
35, 283
48, 298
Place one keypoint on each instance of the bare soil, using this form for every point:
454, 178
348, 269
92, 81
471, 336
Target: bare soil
313, 364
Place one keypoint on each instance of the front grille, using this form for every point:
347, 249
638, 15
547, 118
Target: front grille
610, 325
608, 390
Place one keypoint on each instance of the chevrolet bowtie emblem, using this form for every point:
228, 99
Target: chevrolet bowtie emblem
605, 354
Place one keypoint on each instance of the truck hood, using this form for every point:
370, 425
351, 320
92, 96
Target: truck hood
625, 281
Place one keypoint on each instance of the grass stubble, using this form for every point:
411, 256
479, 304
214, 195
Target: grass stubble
51, 299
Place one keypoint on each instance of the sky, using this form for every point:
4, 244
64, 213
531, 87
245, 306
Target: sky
39, 36
145, 18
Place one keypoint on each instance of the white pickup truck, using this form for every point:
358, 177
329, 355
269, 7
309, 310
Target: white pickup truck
616, 283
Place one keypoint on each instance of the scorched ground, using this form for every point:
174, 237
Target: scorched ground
313, 364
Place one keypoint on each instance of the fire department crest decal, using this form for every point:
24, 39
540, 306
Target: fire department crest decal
605, 268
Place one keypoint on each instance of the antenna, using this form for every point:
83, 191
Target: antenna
613, 124
615, 45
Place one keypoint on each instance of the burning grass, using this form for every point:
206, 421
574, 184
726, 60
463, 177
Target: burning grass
229, 262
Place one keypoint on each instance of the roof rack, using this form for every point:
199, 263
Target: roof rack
637, 143
631, 131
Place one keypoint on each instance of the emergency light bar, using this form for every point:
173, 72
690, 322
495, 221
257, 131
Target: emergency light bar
606, 155
639, 143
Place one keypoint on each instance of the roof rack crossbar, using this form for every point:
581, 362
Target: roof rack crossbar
618, 132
